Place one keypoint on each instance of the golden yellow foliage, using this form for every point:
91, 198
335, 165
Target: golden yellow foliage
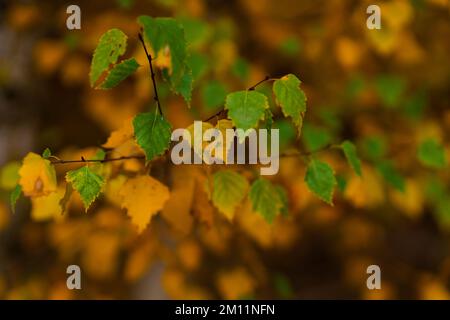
143, 197
37, 176
47, 207
235, 284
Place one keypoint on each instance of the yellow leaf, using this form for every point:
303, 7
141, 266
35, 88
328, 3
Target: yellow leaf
47, 207
189, 253
37, 176
365, 191
177, 211
143, 197
121, 135
235, 284
411, 201
101, 255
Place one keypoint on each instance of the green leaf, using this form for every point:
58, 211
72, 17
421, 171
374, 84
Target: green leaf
14, 196
320, 180
87, 183
390, 89
283, 286
432, 154
287, 132
315, 138
152, 133
391, 175
229, 189
352, 157
198, 63
241, 69
167, 32
184, 87
111, 46
291, 99
246, 108
290, 46
120, 72
374, 147
213, 94
47, 153
266, 199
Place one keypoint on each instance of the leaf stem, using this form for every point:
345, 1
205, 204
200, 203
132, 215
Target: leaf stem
152, 73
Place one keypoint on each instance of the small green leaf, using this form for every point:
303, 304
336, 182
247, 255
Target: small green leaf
352, 157
283, 287
315, 138
391, 175
15, 195
432, 154
229, 189
241, 69
266, 199
111, 46
152, 133
47, 153
246, 108
374, 147
390, 89
87, 183
119, 72
213, 94
291, 99
320, 180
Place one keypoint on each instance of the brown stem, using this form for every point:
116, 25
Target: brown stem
152, 73
60, 161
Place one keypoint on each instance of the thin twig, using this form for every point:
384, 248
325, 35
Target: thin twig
267, 78
152, 73
307, 153
83, 160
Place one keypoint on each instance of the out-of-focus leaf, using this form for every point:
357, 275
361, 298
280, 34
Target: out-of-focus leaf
320, 180
229, 189
352, 157
266, 199
391, 175
432, 154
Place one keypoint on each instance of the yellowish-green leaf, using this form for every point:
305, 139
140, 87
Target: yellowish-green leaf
291, 98
111, 46
87, 183
143, 197
229, 189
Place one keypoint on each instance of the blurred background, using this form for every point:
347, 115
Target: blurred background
386, 90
